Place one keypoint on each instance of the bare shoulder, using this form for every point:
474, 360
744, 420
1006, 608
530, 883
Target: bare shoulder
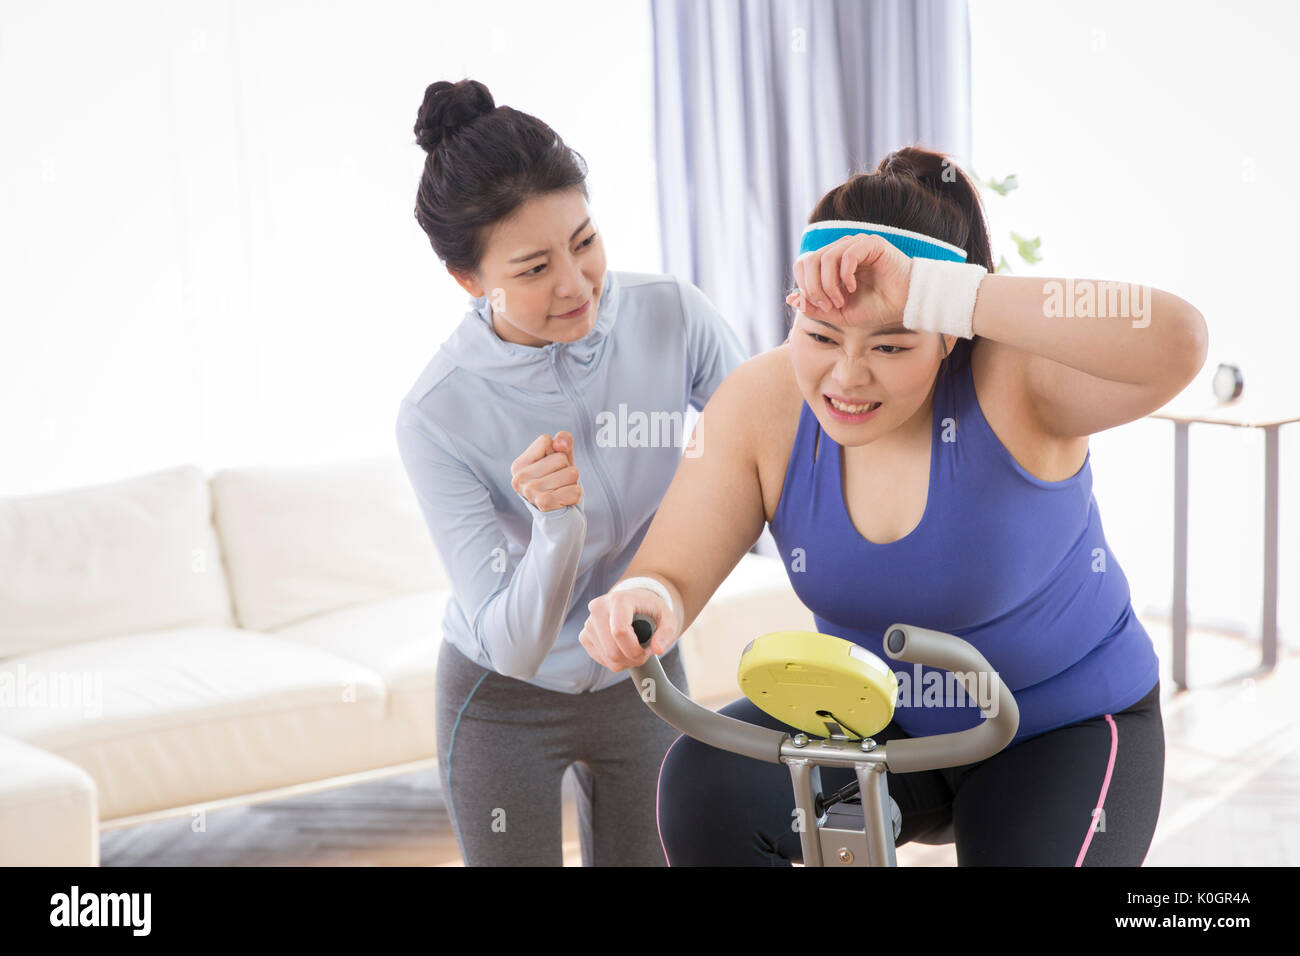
759, 404
999, 373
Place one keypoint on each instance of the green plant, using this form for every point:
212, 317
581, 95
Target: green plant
1027, 248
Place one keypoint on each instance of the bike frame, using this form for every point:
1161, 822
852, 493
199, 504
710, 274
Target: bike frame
838, 836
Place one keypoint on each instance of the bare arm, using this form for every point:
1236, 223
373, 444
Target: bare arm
1100, 354
1090, 354
710, 517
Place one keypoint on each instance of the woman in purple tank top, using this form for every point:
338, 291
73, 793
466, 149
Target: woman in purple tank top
919, 449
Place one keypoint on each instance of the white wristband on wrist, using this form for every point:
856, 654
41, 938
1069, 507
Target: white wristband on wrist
650, 584
941, 296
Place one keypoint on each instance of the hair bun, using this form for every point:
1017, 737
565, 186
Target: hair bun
935, 170
449, 106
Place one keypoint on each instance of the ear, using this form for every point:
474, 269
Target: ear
466, 282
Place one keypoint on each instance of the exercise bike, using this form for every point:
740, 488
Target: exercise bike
833, 689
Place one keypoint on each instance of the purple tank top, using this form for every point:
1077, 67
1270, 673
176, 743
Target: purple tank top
1017, 566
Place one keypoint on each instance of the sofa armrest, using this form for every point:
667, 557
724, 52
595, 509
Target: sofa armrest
49, 814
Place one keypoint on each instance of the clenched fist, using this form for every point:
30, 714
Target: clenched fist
545, 473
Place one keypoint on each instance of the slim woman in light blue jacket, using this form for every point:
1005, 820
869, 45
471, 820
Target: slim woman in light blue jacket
540, 440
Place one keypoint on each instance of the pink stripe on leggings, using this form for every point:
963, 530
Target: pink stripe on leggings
1105, 784
657, 781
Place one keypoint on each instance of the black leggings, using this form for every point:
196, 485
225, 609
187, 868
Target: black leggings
1083, 795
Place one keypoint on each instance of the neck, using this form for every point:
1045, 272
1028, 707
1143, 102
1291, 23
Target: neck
508, 333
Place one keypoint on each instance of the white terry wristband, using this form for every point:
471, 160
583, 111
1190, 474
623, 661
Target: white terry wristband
941, 296
650, 584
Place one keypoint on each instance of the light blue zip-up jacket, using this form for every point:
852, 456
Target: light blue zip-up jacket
521, 577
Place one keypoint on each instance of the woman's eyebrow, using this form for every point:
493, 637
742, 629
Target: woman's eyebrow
885, 330
534, 255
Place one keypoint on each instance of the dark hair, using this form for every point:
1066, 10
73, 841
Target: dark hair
917, 189
484, 162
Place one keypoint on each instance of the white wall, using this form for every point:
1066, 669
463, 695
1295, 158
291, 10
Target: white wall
1153, 141
207, 237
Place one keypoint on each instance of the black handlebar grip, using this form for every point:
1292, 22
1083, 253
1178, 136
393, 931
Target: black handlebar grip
644, 628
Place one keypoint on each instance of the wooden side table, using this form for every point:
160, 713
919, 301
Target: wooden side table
1248, 411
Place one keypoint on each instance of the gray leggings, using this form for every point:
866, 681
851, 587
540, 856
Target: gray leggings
503, 748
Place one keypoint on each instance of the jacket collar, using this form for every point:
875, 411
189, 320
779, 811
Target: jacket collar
476, 346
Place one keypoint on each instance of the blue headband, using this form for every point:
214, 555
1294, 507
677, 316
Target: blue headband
913, 244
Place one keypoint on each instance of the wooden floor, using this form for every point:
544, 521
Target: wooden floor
1231, 797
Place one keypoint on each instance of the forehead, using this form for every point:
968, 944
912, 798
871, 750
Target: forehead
540, 222
842, 327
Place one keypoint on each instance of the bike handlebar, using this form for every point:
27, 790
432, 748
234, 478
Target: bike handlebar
706, 726
919, 645
905, 642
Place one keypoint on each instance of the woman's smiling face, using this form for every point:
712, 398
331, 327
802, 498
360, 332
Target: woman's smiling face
889, 367
544, 261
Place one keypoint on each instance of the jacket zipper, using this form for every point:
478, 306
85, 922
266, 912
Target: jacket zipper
589, 448
565, 384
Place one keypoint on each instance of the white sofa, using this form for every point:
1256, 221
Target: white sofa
171, 643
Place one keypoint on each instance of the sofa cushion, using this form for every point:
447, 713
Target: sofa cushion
303, 541
398, 638
170, 718
132, 555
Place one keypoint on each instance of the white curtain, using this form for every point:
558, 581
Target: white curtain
761, 107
